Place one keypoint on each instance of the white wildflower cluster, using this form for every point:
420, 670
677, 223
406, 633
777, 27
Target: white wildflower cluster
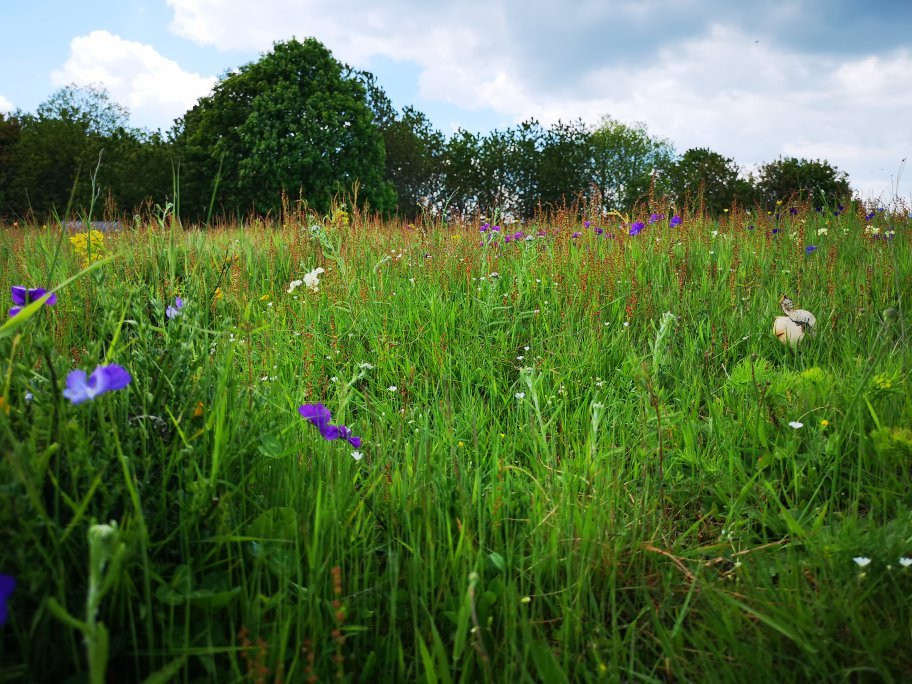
311, 280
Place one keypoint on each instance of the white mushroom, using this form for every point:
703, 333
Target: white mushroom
794, 325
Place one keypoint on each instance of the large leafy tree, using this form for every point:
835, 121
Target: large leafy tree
623, 160
414, 153
77, 136
563, 170
790, 177
295, 120
701, 177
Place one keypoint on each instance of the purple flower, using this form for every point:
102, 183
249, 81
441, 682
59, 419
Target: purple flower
637, 228
508, 238
173, 311
810, 248
675, 221
320, 416
496, 229
23, 296
751, 227
599, 231
840, 208
870, 215
775, 230
7, 585
103, 379
793, 211
575, 235
542, 233
519, 235
653, 218
586, 224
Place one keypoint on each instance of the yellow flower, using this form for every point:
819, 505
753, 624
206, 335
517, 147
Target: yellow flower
824, 423
502, 435
461, 444
218, 294
264, 298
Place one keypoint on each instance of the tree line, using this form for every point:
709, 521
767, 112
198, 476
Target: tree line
298, 125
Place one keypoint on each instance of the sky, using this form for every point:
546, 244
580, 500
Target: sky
816, 79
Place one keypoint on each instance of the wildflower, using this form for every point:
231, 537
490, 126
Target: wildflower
293, 285
586, 224
870, 216
654, 218
794, 424
198, 411
599, 231
861, 561
357, 455
793, 211
575, 235
217, 295
264, 298
460, 444
23, 296
821, 231
312, 279
103, 379
810, 248
365, 366
392, 388
7, 585
320, 416
675, 221
29, 396
824, 423
520, 395
174, 311
637, 228
905, 562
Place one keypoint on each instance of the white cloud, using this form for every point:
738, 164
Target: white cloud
5, 105
154, 88
747, 93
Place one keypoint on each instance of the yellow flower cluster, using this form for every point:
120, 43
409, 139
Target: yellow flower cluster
883, 382
88, 246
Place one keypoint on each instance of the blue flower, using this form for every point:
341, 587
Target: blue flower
23, 296
810, 248
653, 218
103, 379
675, 221
637, 228
7, 585
174, 311
793, 211
319, 415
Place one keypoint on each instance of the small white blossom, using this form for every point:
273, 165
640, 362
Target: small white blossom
905, 562
294, 284
357, 455
795, 424
520, 395
392, 388
861, 561
312, 279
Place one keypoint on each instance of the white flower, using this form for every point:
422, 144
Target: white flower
365, 366
520, 357
294, 284
626, 324
821, 231
905, 562
861, 561
357, 455
520, 395
392, 388
312, 279
795, 424
495, 274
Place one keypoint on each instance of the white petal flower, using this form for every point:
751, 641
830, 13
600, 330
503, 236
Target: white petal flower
795, 424
357, 455
392, 388
294, 284
520, 395
905, 562
861, 561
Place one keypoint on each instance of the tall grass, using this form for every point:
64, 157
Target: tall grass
561, 482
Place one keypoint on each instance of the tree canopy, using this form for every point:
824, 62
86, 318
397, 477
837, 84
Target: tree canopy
295, 120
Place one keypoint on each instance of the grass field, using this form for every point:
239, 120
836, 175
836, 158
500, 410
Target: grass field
569, 458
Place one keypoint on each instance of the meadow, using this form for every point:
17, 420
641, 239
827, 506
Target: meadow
577, 455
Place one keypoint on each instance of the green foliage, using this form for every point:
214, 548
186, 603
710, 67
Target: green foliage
703, 178
543, 492
624, 159
292, 121
814, 180
414, 158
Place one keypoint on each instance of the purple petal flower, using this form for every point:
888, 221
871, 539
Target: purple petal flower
320, 416
810, 248
173, 311
675, 221
7, 585
22, 296
103, 379
599, 231
496, 229
775, 230
653, 218
637, 228
586, 224
315, 413
508, 238
575, 235
793, 211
